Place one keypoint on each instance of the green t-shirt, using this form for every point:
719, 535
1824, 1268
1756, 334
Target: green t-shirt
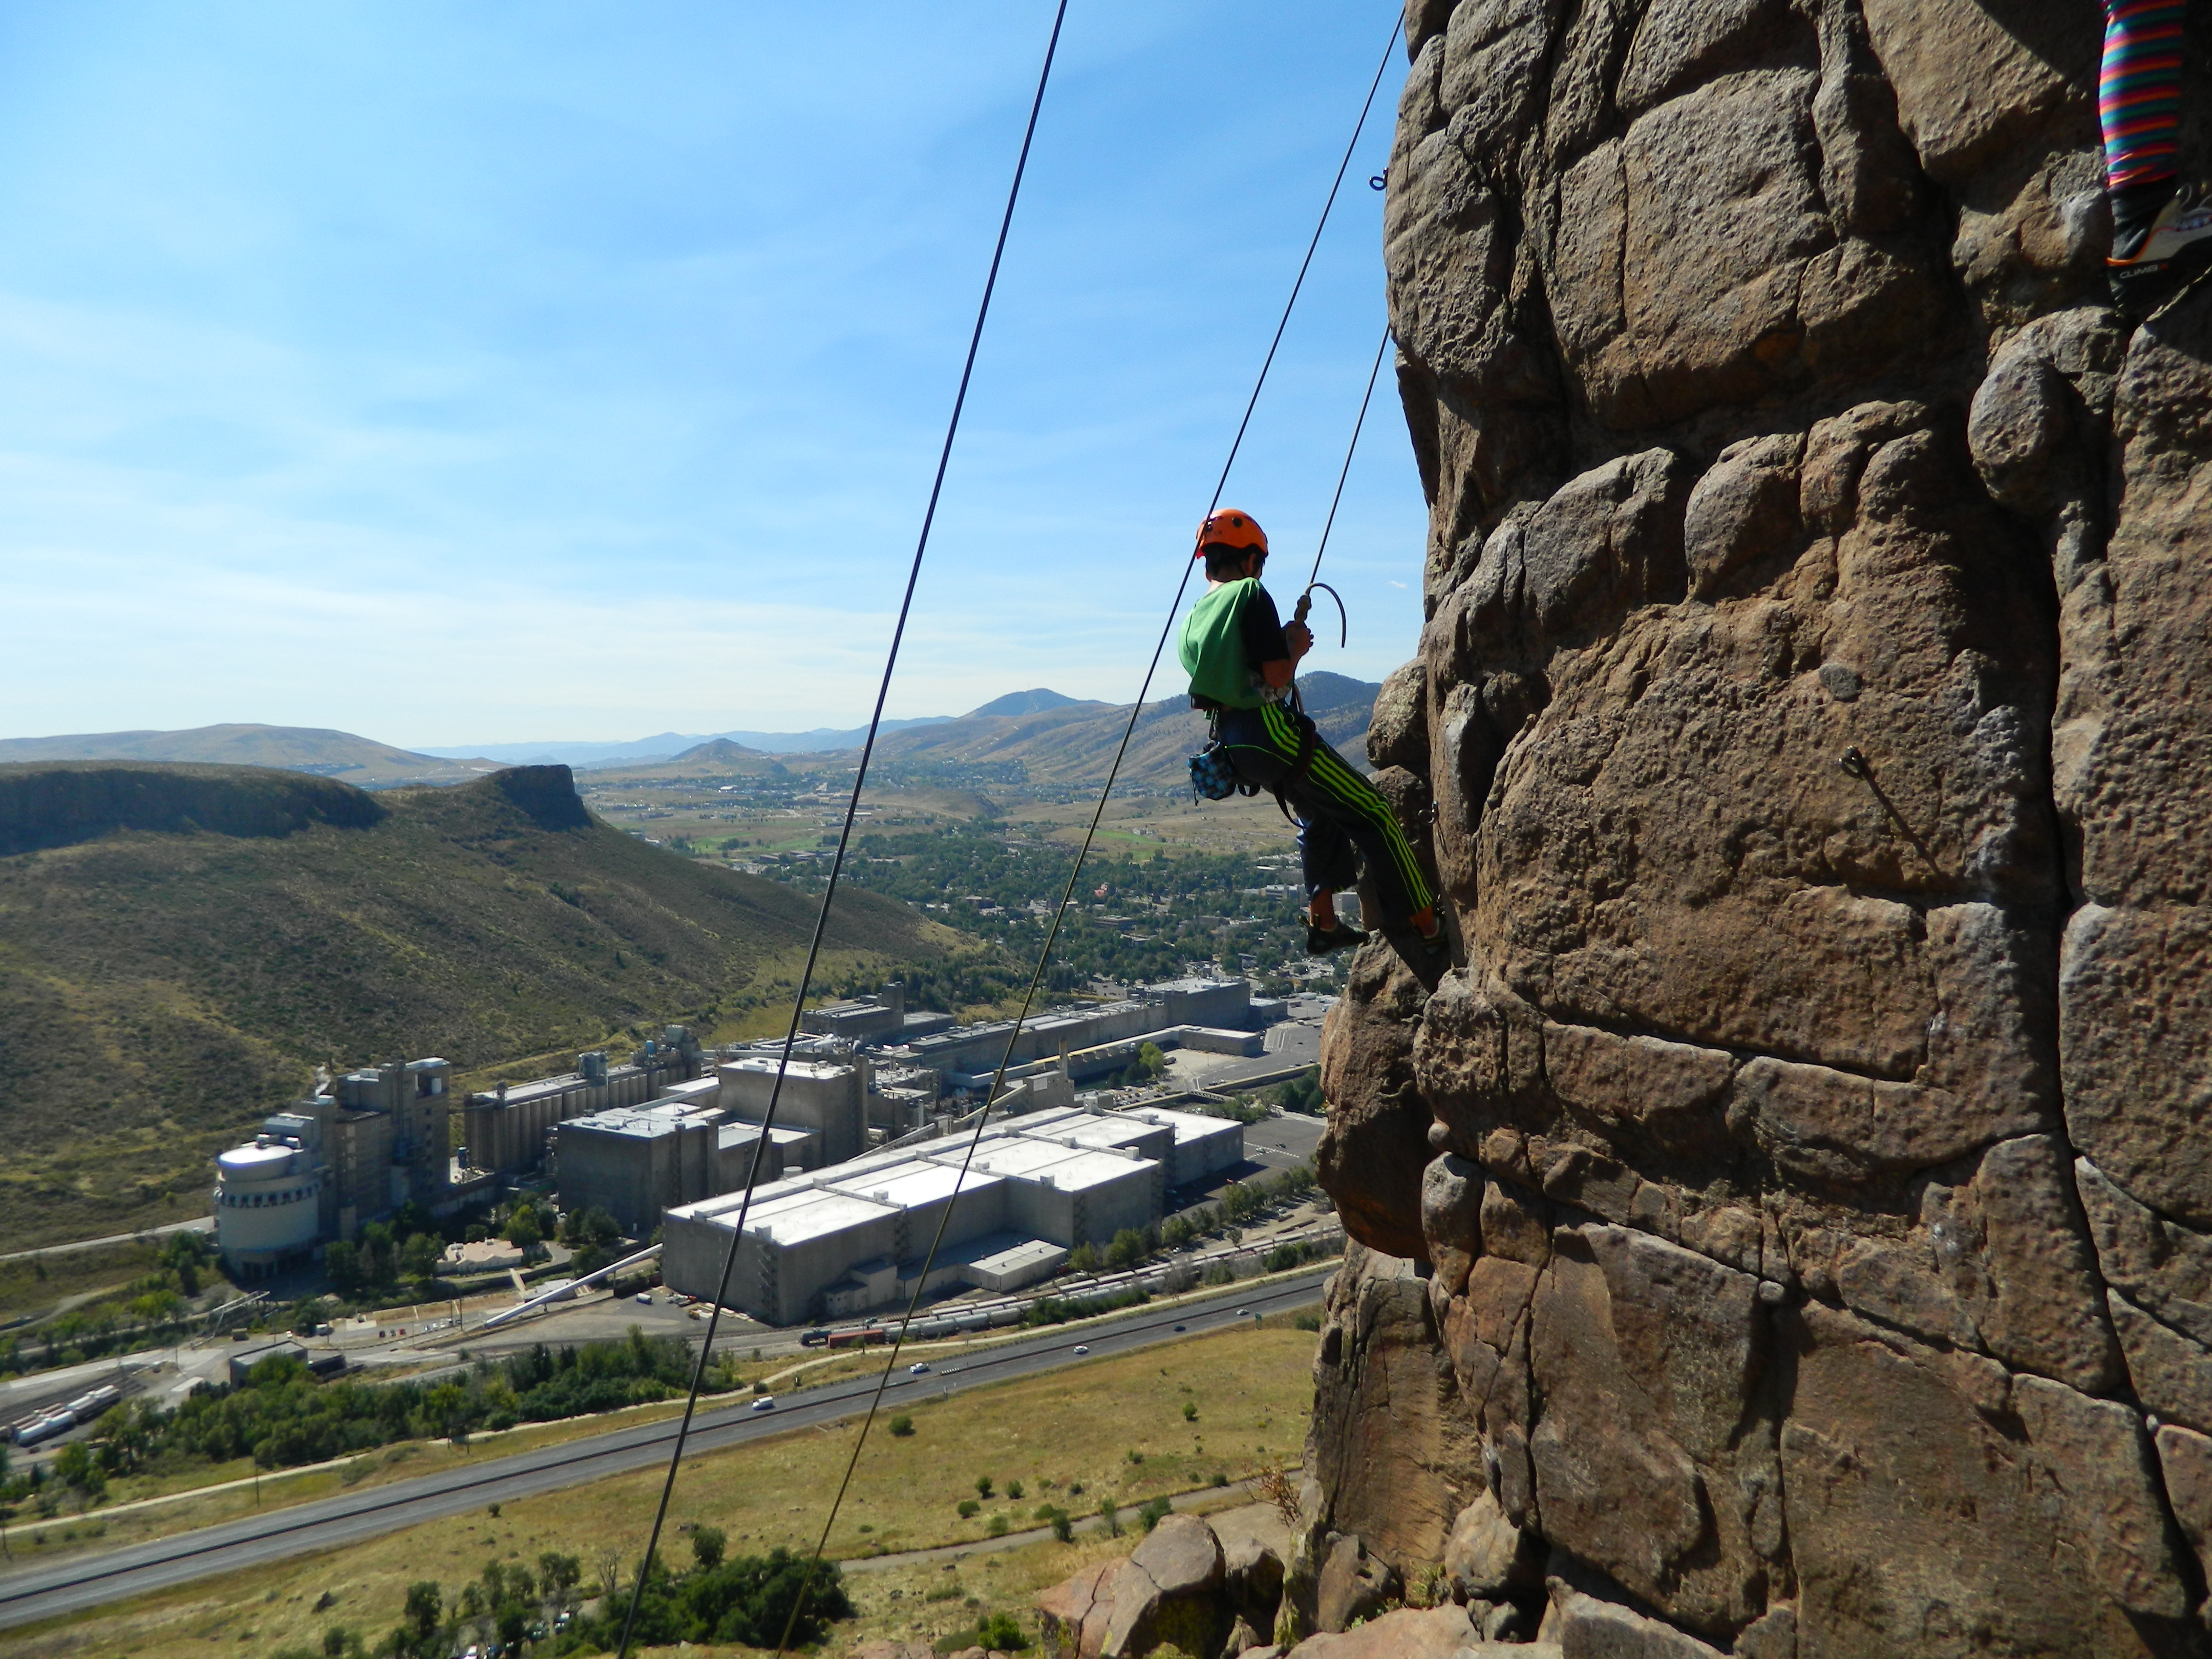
1229, 632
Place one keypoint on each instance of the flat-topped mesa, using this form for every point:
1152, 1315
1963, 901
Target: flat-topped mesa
1789, 1219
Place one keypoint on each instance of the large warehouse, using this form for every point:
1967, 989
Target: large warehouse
852, 1236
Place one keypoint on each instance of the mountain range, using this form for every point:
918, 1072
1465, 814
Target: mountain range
669, 745
1056, 739
1074, 742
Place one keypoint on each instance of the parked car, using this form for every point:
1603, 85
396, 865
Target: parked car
646, 1297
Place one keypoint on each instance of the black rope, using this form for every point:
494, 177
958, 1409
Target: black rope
1075, 872
844, 839
1313, 574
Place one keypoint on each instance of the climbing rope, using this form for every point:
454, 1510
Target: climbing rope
844, 840
1083, 853
1313, 576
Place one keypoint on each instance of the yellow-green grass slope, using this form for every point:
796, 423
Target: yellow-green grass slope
162, 988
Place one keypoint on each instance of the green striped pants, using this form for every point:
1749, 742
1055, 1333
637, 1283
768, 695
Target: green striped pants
1342, 822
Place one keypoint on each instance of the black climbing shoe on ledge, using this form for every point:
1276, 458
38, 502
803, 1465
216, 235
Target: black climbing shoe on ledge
1320, 941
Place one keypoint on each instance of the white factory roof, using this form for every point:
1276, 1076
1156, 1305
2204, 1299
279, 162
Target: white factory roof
767, 1064
1086, 1129
662, 1117
911, 1183
724, 1206
1007, 1154
810, 1203
813, 1215
1187, 1126
1041, 1161
1011, 1259
738, 1131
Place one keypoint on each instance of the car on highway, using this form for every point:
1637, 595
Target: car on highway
765, 1403
1243, 1313
1179, 1327
920, 1368
1083, 1347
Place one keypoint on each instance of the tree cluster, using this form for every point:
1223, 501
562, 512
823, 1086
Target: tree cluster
749, 1598
282, 1417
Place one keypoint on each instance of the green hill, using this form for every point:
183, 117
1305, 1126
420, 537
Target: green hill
184, 944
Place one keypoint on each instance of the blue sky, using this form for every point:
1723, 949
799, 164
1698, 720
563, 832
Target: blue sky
499, 371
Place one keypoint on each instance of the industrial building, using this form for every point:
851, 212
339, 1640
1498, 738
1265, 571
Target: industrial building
634, 1162
828, 1098
1089, 1039
357, 1148
507, 1130
675, 1125
852, 1236
882, 1019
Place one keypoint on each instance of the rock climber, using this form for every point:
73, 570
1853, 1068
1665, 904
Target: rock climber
2161, 227
1242, 661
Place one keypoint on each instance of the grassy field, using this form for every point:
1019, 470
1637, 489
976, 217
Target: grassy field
1113, 1427
35, 1284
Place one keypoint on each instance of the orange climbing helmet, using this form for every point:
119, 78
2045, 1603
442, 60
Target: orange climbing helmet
1230, 528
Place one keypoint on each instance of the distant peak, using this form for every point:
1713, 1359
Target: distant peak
721, 749
1023, 702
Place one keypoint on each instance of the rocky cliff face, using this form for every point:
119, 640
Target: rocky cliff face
1792, 1213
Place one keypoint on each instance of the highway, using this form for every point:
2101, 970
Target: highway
96, 1579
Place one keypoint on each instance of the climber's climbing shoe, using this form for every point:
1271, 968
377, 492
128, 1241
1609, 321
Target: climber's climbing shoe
2153, 261
1320, 941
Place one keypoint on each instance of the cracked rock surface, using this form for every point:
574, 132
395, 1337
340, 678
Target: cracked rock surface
1786, 1226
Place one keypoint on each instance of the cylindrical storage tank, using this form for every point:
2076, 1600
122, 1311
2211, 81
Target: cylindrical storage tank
268, 1208
1005, 1316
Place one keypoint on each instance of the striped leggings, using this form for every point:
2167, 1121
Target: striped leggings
2139, 92
1338, 810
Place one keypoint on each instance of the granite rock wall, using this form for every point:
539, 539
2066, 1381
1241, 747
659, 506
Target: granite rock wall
1792, 1210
